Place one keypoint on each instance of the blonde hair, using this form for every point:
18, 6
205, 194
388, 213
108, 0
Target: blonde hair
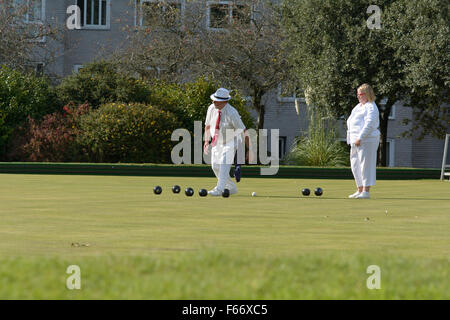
368, 91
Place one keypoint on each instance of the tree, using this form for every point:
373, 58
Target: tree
241, 46
334, 51
420, 33
24, 36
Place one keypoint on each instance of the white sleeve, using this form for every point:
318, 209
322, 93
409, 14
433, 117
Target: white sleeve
208, 116
370, 120
237, 121
348, 127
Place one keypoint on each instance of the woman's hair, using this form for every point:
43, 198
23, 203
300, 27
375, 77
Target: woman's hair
367, 89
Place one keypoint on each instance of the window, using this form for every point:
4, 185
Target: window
390, 152
218, 16
288, 92
33, 10
221, 14
158, 12
152, 73
77, 67
392, 113
36, 68
33, 15
39, 69
242, 14
95, 14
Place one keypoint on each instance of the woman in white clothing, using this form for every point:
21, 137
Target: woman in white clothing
364, 137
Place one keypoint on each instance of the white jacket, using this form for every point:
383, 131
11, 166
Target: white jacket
230, 125
363, 123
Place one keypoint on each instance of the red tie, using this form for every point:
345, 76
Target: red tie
216, 133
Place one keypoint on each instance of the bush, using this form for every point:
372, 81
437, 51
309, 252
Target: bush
190, 101
115, 131
51, 139
319, 147
22, 96
100, 82
119, 132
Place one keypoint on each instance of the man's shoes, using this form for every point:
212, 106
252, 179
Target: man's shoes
233, 191
237, 172
357, 193
363, 195
214, 193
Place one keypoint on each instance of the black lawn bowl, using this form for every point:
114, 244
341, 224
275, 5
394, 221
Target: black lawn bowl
189, 192
176, 189
157, 190
202, 192
226, 193
306, 192
318, 192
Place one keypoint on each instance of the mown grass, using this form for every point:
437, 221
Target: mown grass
278, 245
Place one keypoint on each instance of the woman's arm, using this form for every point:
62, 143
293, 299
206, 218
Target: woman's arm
371, 120
207, 138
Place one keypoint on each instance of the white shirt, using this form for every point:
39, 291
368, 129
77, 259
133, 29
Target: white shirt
363, 123
229, 120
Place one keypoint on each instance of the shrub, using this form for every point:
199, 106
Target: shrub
119, 132
190, 101
22, 96
319, 147
51, 139
99, 82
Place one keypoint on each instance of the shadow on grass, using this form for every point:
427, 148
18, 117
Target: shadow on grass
334, 198
293, 197
418, 199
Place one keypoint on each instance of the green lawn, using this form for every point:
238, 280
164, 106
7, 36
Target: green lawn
130, 243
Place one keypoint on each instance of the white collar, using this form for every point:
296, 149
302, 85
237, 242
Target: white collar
224, 108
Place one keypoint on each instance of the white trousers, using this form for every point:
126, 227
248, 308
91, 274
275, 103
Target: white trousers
222, 157
363, 160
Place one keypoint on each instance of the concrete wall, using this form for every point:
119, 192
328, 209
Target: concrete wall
282, 115
82, 46
402, 146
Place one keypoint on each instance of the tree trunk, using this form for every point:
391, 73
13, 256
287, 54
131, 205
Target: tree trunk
261, 109
261, 115
384, 121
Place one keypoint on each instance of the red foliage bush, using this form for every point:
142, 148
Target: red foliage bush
51, 139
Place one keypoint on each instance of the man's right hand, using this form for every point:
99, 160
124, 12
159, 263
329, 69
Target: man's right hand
206, 147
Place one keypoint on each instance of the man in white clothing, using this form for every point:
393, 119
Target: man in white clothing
223, 123
364, 137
